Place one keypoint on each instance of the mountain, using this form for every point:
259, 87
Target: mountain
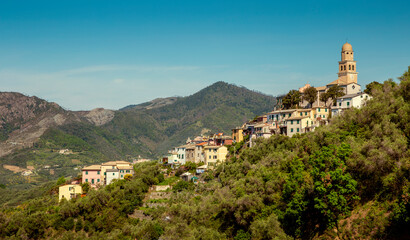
34, 131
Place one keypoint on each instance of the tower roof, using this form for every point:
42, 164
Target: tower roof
347, 47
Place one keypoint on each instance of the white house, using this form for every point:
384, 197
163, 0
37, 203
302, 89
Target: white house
112, 174
356, 100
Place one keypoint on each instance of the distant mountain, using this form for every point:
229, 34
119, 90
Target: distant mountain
33, 131
156, 103
217, 108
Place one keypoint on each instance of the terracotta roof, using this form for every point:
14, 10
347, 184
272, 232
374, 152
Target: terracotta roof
214, 146
321, 88
92, 167
201, 144
297, 118
125, 167
111, 163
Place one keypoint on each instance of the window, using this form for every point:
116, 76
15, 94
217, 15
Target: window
340, 104
315, 115
98, 180
92, 181
353, 67
209, 150
297, 130
129, 170
98, 172
325, 109
113, 174
301, 114
318, 109
350, 67
86, 180
348, 103
283, 115
122, 176
297, 122
291, 121
209, 156
86, 172
344, 68
290, 114
305, 113
105, 173
215, 157
341, 68
312, 122
291, 130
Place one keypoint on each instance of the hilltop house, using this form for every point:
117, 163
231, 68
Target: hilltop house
356, 100
215, 154
69, 191
91, 174
103, 174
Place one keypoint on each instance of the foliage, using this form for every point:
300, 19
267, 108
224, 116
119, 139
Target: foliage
346, 180
371, 86
310, 95
292, 99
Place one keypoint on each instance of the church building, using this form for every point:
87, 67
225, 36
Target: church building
347, 77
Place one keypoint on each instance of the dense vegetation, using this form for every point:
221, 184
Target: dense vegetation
102, 214
346, 180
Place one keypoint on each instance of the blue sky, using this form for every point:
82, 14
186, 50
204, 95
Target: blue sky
89, 54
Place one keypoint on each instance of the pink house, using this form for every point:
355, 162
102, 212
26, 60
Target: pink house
91, 174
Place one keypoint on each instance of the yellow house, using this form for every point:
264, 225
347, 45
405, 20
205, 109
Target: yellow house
237, 134
69, 191
215, 154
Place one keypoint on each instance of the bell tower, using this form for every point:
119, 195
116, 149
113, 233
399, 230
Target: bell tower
347, 66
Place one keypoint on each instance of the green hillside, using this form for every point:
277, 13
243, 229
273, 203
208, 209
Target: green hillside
346, 180
133, 131
219, 108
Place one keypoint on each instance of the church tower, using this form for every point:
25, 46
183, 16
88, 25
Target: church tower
347, 66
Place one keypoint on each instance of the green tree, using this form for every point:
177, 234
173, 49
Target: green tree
86, 187
61, 181
334, 189
310, 95
292, 99
371, 86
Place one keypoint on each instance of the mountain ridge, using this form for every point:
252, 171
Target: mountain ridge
101, 134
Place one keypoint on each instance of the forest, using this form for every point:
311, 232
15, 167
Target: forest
345, 180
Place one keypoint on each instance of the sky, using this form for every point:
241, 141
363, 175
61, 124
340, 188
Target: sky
89, 54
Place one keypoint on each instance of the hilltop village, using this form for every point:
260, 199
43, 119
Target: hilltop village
297, 112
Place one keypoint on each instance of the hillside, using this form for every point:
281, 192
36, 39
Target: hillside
345, 180
217, 108
33, 131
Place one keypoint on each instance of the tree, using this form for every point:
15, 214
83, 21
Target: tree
371, 86
292, 99
310, 95
61, 181
333, 93
334, 189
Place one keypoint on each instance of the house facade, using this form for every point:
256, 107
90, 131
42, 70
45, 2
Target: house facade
92, 175
356, 100
69, 191
98, 174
